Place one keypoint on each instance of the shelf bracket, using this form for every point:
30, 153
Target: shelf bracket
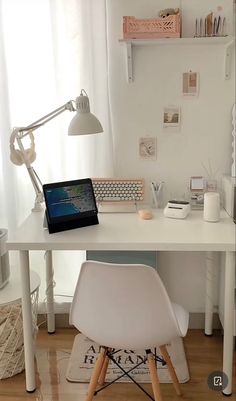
129, 60
228, 59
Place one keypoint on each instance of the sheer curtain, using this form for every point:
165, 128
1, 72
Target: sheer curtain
49, 51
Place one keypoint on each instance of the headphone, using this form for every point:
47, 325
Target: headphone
17, 156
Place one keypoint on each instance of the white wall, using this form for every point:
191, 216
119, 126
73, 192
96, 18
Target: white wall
205, 133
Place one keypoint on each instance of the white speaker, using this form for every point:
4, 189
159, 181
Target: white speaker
211, 207
4, 259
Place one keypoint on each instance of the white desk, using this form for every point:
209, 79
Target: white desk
128, 232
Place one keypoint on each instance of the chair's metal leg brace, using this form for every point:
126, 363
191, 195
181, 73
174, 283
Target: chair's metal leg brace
159, 359
113, 352
119, 377
156, 357
126, 373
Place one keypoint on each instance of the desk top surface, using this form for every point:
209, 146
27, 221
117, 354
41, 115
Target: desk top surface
127, 231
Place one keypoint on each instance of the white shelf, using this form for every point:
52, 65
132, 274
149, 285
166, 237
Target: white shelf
226, 41
180, 41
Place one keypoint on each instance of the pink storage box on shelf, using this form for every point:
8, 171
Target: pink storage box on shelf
169, 27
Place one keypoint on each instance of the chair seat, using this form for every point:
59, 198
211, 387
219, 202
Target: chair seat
182, 320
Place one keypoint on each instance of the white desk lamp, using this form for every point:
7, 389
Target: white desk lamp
83, 123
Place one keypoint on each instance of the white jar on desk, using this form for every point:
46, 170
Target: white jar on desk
211, 211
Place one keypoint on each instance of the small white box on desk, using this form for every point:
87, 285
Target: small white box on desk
177, 209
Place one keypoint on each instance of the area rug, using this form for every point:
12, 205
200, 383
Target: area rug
84, 353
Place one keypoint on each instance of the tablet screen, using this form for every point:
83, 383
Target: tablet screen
70, 200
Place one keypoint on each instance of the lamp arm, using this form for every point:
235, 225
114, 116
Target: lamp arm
23, 131
27, 156
19, 133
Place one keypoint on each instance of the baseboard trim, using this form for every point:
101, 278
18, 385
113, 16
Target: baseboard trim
196, 320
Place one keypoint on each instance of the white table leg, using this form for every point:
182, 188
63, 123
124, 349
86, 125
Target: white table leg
49, 293
27, 322
229, 319
209, 293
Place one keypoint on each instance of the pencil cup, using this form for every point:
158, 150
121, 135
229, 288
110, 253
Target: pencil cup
211, 210
156, 190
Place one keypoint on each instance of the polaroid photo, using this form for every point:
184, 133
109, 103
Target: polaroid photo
190, 83
171, 116
148, 148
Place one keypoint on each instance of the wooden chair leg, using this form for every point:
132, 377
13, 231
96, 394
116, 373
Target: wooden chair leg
170, 369
154, 377
103, 373
95, 375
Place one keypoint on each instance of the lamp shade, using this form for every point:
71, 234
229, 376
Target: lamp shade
84, 122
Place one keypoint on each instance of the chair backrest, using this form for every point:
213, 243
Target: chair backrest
123, 306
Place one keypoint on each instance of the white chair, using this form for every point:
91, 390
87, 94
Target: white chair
121, 306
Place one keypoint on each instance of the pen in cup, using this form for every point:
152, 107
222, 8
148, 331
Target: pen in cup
196, 29
154, 197
223, 28
214, 27
218, 26
156, 191
201, 28
205, 27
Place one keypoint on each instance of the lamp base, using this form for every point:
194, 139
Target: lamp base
38, 203
37, 208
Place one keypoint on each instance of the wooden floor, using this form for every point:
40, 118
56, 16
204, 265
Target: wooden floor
204, 355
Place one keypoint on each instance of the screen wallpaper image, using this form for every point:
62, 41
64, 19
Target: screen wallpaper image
69, 200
